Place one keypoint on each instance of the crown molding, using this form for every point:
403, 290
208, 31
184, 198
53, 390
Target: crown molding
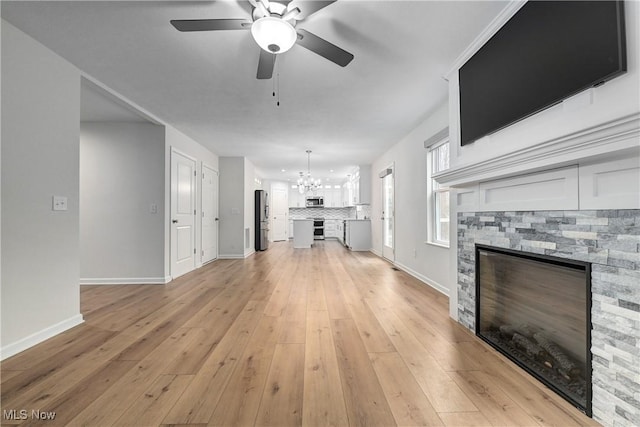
597, 141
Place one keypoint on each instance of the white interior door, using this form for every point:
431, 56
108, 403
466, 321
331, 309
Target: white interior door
183, 214
279, 214
388, 214
209, 214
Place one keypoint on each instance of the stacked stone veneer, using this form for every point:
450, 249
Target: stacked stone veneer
610, 240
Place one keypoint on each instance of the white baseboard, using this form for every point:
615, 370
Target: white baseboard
435, 285
126, 281
33, 339
376, 252
234, 256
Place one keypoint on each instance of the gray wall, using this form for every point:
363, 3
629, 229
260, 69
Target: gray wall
121, 175
40, 159
232, 205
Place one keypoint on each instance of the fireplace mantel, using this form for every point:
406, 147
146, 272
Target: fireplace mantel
598, 141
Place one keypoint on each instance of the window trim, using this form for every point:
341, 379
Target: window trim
433, 189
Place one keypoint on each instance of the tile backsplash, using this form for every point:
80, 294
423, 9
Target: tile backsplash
326, 213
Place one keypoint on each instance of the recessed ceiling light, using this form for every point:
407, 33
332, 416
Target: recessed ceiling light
330, 170
283, 170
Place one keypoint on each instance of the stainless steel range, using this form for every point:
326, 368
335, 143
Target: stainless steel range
318, 228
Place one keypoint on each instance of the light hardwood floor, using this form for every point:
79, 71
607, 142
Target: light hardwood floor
318, 337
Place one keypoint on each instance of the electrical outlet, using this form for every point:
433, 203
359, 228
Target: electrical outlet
153, 208
60, 203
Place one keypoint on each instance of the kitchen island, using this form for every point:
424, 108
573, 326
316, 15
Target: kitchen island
302, 233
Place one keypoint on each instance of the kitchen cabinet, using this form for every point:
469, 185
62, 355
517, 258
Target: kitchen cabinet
357, 189
332, 196
296, 200
291, 229
358, 234
330, 229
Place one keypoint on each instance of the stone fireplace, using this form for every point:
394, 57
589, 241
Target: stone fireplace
609, 242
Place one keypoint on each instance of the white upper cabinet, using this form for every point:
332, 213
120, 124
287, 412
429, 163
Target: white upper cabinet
296, 200
357, 189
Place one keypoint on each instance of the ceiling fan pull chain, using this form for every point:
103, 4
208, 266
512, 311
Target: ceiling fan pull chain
278, 89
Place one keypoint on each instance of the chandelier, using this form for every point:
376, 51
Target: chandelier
308, 184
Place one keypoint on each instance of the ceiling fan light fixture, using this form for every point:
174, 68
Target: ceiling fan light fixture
274, 35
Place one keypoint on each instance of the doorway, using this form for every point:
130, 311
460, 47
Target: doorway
183, 213
210, 218
280, 212
388, 213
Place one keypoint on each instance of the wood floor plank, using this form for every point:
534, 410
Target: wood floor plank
152, 406
316, 300
373, 335
537, 400
445, 352
408, 403
241, 400
281, 403
6, 375
69, 404
197, 403
42, 393
49, 348
494, 404
336, 305
466, 419
48, 367
295, 315
106, 409
443, 393
324, 403
364, 398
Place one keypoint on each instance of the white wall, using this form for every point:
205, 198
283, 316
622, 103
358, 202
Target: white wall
232, 205
237, 187
428, 262
121, 176
250, 185
174, 139
40, 159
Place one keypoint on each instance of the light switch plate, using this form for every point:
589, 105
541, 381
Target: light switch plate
59, 203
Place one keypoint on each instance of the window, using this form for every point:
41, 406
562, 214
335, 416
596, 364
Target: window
438, 195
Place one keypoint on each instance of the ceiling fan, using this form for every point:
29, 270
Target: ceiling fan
272, 25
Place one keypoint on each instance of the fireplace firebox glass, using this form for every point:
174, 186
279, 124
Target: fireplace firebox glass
536, 310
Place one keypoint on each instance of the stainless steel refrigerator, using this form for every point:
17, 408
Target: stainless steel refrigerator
262, 220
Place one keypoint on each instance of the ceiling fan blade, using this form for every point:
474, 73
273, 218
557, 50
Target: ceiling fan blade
266, 63
324, 48
211, 24
308, 7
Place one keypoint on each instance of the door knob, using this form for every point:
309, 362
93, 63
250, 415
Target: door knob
175, 221
217, 219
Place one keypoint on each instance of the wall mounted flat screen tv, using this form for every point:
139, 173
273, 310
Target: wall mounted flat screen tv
548, 51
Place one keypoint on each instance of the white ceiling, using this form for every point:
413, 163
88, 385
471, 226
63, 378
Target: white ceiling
204, 83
